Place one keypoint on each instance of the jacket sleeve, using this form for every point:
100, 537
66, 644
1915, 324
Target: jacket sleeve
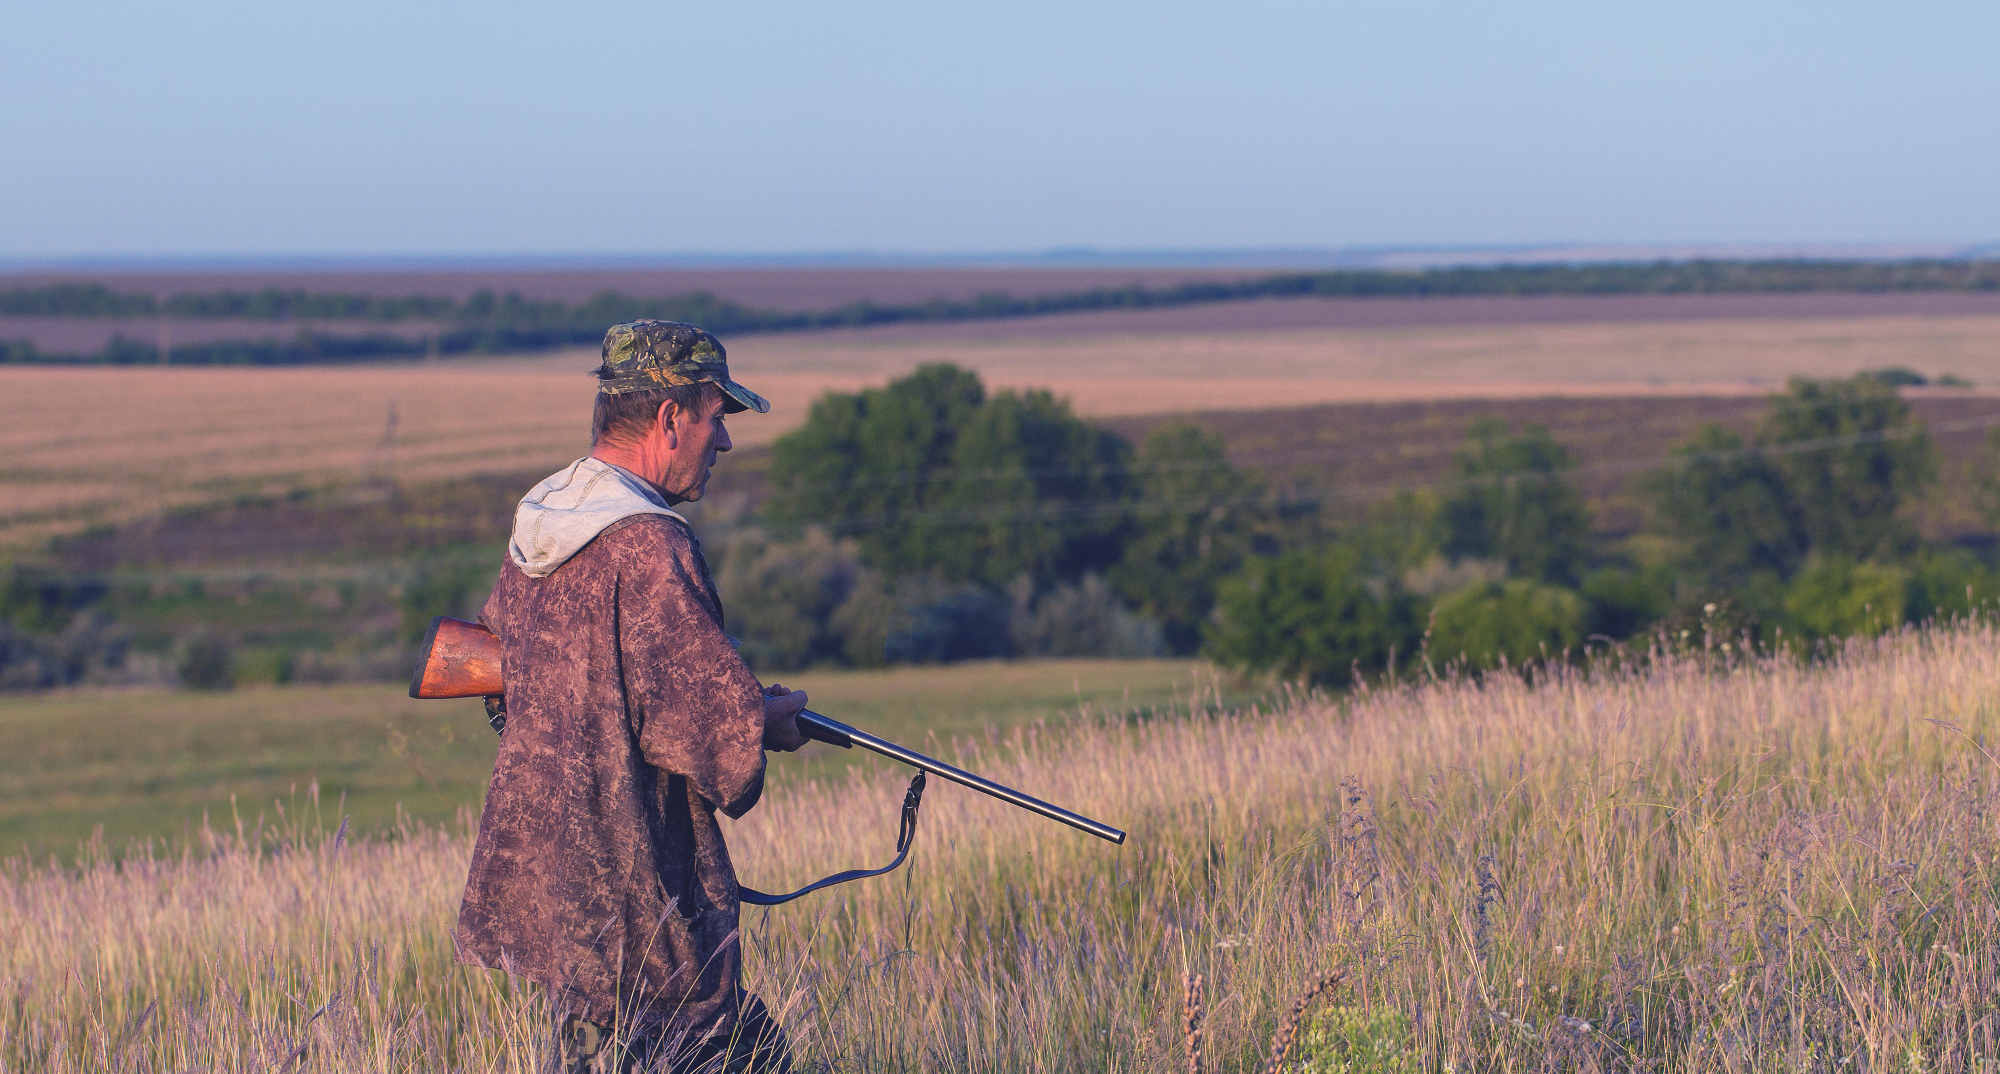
697, 710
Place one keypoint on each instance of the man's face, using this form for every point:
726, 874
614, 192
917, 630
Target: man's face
701, 436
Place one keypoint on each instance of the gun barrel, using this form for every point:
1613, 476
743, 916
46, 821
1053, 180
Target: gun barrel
829, 730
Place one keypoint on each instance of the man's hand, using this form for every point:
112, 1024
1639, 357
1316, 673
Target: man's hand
781, 725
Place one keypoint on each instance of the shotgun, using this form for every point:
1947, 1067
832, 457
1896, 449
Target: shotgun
461, 659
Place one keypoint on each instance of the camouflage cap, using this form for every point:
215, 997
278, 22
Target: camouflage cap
642, 355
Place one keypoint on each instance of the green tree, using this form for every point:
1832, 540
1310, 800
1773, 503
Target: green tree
1520, 620
1193, 523
930, 473
1727, 508
872, 459
1838, 596
1311, 614
1848, 491
1511, 504
1034, 490
1949, 582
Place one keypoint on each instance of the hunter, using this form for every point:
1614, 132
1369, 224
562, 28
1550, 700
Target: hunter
600, 871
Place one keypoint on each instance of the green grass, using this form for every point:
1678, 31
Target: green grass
149, 764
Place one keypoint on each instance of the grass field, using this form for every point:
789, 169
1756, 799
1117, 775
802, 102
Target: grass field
94, 446
1715, 863
152, 764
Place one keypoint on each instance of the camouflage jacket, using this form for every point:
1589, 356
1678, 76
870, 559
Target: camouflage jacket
599, 869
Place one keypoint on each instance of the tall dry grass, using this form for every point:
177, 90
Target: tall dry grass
1711, 864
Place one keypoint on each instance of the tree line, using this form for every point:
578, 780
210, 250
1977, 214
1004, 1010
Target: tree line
933, 520
486, 322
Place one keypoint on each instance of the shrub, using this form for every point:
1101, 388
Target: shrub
1312, 614
1349, 1040
934, 622
780, 597
1623, 602
1085, 619
208, 663
920, 619
1518, 620
1949, 582
1835, 596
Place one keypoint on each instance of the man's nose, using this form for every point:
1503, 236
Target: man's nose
722, 439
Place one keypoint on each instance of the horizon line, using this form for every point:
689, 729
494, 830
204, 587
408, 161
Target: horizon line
1376, 256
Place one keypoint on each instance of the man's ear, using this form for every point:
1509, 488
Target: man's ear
669, 411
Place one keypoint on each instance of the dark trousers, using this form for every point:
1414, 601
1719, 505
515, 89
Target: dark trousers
755, 1046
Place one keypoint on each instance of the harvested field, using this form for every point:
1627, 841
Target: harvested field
1348, 455
1136, 373
90, 445
1706, 864
87, 445
1362, 313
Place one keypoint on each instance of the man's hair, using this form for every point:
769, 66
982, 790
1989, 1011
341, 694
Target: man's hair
630, 416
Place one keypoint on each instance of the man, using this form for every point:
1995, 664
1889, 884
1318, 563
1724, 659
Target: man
600, 870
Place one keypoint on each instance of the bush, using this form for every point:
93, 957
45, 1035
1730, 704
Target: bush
1349, 1040
1623, 602
935, 622
91, 648
1085, 619
1518, 620
1949, 582
208, 663
781, 597
1835, 596
1712, 622
1312, 614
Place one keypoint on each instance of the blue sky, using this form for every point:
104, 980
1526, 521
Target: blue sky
368, 128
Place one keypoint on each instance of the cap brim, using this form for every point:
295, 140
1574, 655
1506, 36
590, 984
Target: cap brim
737, 399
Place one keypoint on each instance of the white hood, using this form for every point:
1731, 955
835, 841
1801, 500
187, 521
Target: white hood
571, 508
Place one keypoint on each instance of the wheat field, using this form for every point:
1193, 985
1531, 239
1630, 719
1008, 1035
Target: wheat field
86, 446
1707, 862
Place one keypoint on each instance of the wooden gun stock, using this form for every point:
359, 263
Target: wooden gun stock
459, 659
